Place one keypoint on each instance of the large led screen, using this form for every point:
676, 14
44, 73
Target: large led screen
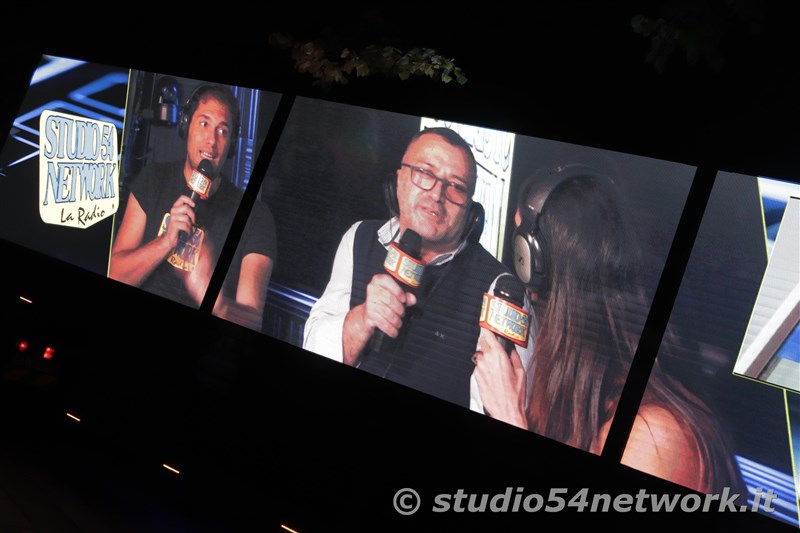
506, 274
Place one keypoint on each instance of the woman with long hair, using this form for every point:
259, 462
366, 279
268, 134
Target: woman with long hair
590, 308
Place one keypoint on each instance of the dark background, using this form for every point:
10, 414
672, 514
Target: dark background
269, 434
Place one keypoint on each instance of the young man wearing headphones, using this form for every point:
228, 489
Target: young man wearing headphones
432, 329
179, 213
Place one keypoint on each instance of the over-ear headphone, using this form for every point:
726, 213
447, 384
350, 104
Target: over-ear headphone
530, 249
473, 224
220, 92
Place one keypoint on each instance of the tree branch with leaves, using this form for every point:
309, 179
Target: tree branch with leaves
326, 69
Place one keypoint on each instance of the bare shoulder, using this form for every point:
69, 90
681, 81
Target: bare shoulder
652, 424
656, 423
659, 444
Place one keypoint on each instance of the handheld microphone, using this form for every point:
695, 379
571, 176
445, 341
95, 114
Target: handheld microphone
502, 312
200, 182
403, 262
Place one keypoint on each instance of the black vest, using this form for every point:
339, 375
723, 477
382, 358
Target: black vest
433, 353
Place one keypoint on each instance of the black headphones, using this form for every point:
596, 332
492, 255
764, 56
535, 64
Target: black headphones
473, 224
531, 259
190, 106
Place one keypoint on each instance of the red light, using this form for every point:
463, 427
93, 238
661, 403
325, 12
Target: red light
48, 352
22, 345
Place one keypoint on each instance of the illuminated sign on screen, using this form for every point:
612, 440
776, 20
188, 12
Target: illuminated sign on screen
78, 169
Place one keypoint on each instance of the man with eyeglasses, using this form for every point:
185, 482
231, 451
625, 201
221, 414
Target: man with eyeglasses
434, 331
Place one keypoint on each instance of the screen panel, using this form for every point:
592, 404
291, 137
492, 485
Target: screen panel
733, 430
330, 172
175, 125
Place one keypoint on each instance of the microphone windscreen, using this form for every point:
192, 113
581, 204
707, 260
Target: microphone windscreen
411, 243
510, 288
206, 168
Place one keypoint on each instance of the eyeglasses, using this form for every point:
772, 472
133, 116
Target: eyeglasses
426, 180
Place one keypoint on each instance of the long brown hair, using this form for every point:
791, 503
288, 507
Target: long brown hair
590, 319
583, 349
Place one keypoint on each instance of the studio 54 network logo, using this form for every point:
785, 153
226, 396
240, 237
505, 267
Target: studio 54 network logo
78, 169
